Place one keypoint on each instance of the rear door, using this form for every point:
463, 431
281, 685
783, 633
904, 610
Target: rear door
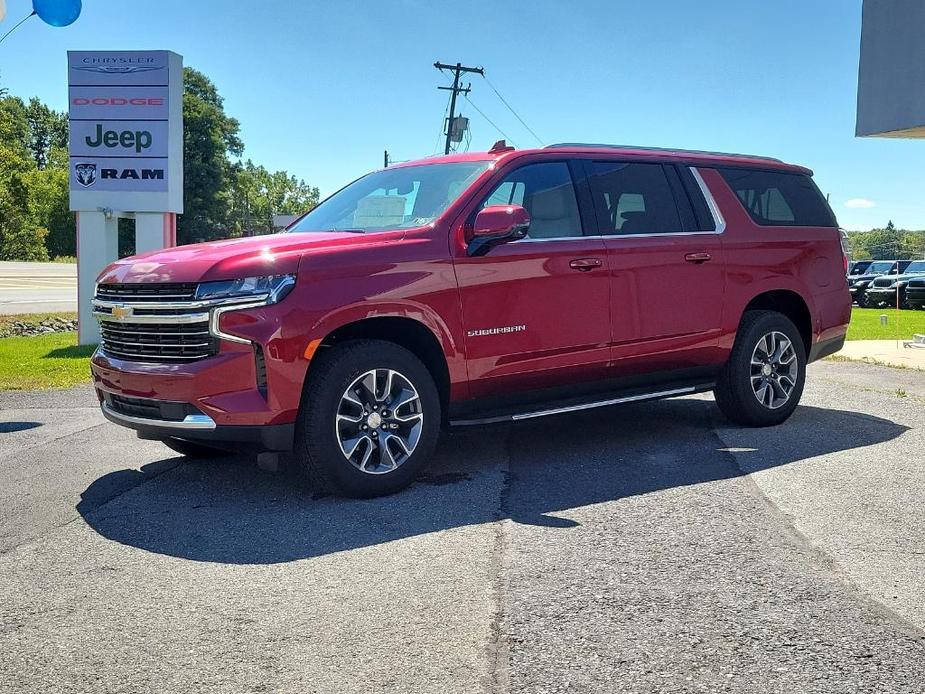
537, 311
665, 255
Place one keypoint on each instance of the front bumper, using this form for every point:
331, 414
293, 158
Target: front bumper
248, 391
915, 295
202, 428
883, 295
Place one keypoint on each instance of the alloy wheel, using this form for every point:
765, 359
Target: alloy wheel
774, 370
379, 421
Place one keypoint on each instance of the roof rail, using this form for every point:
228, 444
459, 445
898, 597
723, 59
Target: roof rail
663, 149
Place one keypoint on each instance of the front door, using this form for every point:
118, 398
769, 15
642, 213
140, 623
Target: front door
537, 311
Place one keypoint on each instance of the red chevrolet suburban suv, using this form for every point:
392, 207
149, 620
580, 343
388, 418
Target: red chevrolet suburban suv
472, 288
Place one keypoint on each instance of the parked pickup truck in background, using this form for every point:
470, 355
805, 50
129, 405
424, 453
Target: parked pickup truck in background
859, 284
890, 290
478, 287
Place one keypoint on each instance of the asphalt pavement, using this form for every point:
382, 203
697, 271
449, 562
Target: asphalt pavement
642, 548
37, 287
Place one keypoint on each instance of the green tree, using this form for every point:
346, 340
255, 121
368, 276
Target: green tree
210, 138
49, 198
258, 195
47, 129
20, 239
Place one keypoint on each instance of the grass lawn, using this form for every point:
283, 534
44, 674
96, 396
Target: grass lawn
865, 324
45, 361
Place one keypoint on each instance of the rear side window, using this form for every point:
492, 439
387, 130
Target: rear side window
778, 198
633, 198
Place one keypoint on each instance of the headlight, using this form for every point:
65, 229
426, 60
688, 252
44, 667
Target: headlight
897, 285
273, 288
860, 285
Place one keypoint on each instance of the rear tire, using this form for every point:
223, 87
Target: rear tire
762, 382
369, 420
194, 450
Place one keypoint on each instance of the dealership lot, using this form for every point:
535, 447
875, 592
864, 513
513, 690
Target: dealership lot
638, 548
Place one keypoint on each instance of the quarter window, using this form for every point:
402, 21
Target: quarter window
633, 198
545, 190
780, 198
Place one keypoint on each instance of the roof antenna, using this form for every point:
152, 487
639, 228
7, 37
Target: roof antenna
501, 146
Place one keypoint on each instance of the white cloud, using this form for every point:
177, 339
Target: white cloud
860, 203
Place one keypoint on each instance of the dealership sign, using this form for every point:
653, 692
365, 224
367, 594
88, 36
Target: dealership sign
126, 130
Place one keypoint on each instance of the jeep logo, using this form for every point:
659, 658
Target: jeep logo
137, 139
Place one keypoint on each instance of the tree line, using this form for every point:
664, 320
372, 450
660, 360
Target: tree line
888, 243
223, 196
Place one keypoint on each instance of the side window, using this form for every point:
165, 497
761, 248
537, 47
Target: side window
633, 198
545, 190
779, 198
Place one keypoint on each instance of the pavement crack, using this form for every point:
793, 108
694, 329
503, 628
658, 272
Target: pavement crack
499, 641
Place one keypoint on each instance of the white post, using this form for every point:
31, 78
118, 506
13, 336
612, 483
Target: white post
151, 232
97, 246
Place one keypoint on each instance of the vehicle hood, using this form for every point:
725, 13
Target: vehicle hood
903, 278
866, 278
274, 254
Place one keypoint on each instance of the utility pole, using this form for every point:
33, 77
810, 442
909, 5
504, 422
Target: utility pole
458, 70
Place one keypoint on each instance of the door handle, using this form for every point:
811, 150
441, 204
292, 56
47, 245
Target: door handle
585, 264
697, 257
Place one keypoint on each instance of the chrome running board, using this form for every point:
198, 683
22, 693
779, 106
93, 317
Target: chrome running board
518, 416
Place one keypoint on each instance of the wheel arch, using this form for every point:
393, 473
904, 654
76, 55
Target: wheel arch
790, 304
410, 333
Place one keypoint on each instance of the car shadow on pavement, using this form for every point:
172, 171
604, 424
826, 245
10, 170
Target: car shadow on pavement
229, 511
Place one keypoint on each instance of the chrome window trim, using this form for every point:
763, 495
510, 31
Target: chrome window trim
199, 422
718, 221
711, 202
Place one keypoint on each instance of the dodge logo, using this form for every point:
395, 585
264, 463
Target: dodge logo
86, 174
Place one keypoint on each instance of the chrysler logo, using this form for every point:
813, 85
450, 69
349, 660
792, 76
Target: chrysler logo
121, 312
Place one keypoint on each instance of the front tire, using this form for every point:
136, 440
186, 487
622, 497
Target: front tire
762, 382
369, 420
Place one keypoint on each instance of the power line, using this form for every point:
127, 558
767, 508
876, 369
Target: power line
511, 109
490, 121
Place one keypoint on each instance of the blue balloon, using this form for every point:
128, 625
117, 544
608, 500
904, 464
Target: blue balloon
57, 13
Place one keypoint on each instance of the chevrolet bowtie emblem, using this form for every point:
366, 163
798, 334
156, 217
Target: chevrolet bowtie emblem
121, 312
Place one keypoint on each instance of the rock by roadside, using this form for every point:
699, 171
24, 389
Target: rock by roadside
18, 328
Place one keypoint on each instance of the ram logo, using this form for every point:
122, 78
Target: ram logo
86, 174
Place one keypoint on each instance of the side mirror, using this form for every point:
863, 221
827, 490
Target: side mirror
497, 224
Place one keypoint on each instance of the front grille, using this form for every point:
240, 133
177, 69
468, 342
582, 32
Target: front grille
175, 291
172, 342
166, 410
918, 284
885, 282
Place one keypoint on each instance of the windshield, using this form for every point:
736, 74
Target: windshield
879, 268
859, 268
917, 266
399, 198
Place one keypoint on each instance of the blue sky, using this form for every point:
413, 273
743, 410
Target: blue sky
321, 89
